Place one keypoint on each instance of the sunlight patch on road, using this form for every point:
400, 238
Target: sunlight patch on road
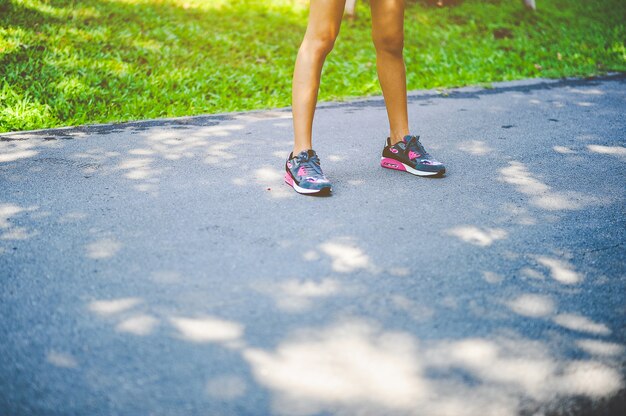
350, 366
532, 305
11, 231
207, 329
524, 368
16, 150
345, 256
271, 181
476, 236
602, 348
581, 324
560, 270
113, 306
61, 360
298, 295
618, 151
103, 249
475, 147
138, 325
563, 150
542, 195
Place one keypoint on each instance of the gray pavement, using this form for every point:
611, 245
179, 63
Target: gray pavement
163, 267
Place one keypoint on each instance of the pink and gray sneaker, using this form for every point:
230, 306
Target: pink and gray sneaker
304, 174
410, 156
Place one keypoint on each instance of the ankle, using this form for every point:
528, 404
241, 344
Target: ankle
397, 136
297, 150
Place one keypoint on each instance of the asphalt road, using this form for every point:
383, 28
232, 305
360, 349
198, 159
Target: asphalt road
164, 268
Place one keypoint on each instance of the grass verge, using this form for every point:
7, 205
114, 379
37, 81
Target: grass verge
67, 62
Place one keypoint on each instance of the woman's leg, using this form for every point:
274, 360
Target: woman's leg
321, 32
388, 37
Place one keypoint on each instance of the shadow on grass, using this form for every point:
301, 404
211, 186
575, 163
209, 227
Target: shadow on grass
116, 60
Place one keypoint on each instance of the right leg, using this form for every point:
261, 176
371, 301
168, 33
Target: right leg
321, 32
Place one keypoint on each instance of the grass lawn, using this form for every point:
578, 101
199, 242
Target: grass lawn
70, 62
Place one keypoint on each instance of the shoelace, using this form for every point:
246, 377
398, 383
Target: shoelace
414, 144
312, 162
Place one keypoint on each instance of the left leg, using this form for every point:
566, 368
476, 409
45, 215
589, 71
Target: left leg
402, 152
388, 37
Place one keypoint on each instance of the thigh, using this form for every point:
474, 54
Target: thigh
387, 18
325, 18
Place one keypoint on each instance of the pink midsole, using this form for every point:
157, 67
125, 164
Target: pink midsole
389, 163
290, 182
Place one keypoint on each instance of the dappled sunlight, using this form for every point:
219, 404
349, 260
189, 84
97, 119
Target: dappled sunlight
113, 306
491, 277
399, 271
531, 305
589, 378
581, 324
138, 168
253, 116
311, 255
618, 151
601, 348
6, 212
542, 195
587, 91
336, 158
226, 387
218, 153
350, 367
269, 179
532, 273
476, 236
138, 324
207, 329
281, 154
521, 368
9, 231
71, 217
560, 270
61, 360
103, 249
357, 367
298, 295
346, 257
563, 150
11, 151
475, 147
17, 233
97, 154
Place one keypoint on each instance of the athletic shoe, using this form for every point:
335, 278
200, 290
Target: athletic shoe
304, 174
410, 156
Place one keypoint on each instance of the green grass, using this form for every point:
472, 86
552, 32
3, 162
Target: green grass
65, 62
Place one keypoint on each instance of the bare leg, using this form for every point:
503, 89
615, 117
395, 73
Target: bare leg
388, 37
319, 39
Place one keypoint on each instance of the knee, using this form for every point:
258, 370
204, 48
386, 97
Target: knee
319, 45
391, 43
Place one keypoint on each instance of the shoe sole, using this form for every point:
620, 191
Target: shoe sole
389, 163
289, 181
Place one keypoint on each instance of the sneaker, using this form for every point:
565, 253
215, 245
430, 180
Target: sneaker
410, 156
304, 174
